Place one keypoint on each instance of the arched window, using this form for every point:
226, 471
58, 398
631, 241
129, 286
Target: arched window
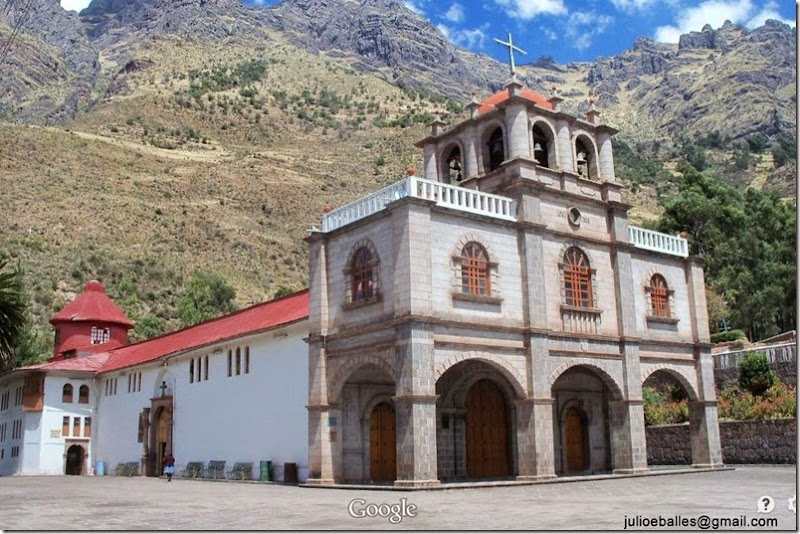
541, 146
577, 279
584, 159
475, 270
659, 296
66, 393
83, 395
453, 166
497, 151
363, 276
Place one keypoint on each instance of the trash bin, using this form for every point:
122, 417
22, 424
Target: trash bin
265, 470
290, 473
101, 469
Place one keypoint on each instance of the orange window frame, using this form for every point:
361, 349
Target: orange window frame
475, 270
577, 279
659, 296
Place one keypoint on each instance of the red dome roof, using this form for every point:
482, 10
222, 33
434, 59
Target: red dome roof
92, 305
502, 96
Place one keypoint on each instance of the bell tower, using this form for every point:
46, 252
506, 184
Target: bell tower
91, 323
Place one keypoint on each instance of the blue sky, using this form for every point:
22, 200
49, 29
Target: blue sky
576, 30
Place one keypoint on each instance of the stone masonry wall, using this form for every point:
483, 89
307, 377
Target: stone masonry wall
743, 442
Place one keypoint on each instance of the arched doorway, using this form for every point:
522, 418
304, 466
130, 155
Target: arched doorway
487, 431
383, 443
162, 437
582, 438
75, 458
575, 440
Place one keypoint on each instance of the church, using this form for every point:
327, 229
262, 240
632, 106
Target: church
494, 318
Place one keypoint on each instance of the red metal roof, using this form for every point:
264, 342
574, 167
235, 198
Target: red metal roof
92, 305
260, 317
89, 363
501, 96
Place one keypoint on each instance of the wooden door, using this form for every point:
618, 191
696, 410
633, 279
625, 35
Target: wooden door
383, 443
162, 438
574, 438
487, 431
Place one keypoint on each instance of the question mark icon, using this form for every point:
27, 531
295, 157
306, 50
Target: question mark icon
766, 504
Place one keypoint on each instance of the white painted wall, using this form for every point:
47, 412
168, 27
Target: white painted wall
244, 418
9, 465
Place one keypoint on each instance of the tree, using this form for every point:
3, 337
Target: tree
12, 311
747, 243
755, 374
207, 296
150, 326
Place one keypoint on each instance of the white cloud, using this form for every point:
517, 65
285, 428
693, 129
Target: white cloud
769, 11
715, 13
74, 5
635, 5
415, 6
549, 33
455, 13
583, 27
528, 9
473, 39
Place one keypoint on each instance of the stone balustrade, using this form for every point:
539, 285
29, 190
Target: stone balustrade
658, 242
449, 196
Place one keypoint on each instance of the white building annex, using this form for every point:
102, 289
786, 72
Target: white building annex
495, 319
230, 390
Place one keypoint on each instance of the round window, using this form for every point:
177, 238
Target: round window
574, 215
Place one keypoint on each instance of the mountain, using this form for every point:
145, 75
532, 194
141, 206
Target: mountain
50, 68
144, 141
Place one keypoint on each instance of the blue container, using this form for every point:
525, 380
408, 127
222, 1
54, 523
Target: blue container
101, 469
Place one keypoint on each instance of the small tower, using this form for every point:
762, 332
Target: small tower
89, 324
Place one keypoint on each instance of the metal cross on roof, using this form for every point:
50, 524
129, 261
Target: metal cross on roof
511, 48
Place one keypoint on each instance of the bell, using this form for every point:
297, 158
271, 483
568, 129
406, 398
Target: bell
537, 147
581, 157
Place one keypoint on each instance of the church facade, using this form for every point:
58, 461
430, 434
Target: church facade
493, 319
498, 317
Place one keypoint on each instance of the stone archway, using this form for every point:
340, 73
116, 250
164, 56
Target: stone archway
76, 457
476, 432
583, 422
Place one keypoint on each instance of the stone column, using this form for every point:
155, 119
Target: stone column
606, 156
415, 406
566, 160
535, 448
703, 417
628, 445
430, 162
320, 453
519, 145
471, 147
628, 439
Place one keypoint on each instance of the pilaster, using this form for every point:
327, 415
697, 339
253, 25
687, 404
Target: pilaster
628, 445
411, 274
566, 158
430, 162
470, 152
415, 407
517, 127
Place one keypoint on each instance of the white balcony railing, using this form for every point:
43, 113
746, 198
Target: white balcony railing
450, 196
658, 242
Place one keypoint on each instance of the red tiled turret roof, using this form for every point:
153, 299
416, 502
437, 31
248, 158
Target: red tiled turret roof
92, 305
501, 96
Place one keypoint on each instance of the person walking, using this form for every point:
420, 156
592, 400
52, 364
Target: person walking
169, 466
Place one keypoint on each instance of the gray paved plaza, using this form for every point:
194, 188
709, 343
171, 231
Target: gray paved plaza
115, 503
